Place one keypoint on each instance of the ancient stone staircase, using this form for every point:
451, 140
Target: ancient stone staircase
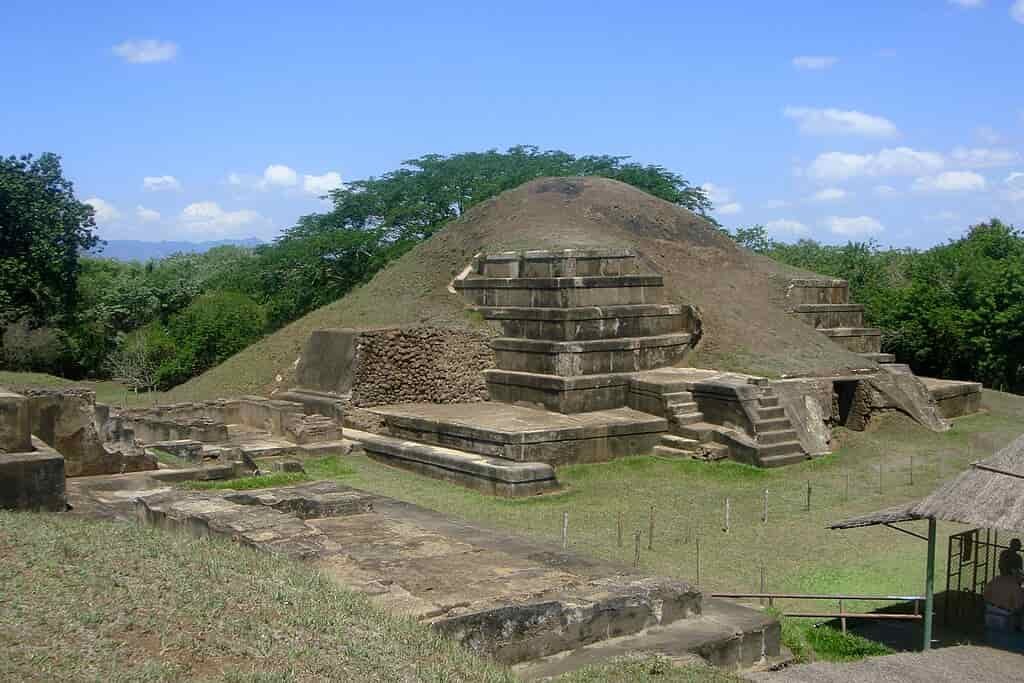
825, 305
769, 441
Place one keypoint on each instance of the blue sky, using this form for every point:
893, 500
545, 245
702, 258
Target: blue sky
902, 121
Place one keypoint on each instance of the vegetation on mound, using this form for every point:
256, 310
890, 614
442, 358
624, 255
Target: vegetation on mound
954, 311
263, 481
102, 601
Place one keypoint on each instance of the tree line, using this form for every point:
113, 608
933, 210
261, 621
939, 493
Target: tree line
157, 324
954, 311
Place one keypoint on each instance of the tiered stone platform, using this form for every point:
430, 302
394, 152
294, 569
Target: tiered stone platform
825, 305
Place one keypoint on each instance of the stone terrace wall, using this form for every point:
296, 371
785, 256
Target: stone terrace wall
420, 364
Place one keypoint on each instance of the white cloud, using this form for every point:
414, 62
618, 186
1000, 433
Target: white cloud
775, 204
814, 62
146, 215
146, 51
716, 193
982, 157
1017, 11
209, 218
887, 162
279, 175
988, 135
839, 122
234, 179
857, 226
160, 183
1014, 187
885, 191
104, 211
321, 184
730, 208
950, 181
829, 194
967, 4
784, 226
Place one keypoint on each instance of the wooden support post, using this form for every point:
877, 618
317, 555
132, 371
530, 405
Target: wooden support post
842, 620
808, 496
636, 551
650, 531
565, 530
698, 559
929, 586
728, 505
764, 508
619, 529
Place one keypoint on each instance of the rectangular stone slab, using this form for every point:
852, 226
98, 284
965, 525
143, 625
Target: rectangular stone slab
563, 292
580, 394
586, 322
571, 358
527, 434
558, 263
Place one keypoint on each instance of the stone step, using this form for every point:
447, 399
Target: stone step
496, 476
713, 451
563, 292
725, 635
782, 459
880, 358
674, 397
770, 412
782, 448
768, 401
687, 418
558, 263
599, 356
856, 339
581, 394
818, 291
773, 424
700, 431
678, 442
779, 436
831, 315
587, 322
669, 452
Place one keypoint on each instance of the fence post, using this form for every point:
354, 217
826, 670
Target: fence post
911, 470
698, 559
763, 582
650, 531
881, 466
847, 498
565, 530
808, 496
619, 529
636, 552
764, 508
728, 504
842, 620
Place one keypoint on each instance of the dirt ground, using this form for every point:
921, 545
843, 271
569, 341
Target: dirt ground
739, 293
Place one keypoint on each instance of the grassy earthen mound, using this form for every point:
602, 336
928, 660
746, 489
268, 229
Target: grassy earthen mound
739, 293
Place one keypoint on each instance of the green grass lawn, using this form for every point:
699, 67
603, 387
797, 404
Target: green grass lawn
796, 549
109, 392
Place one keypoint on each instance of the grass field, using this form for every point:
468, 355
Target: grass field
109, 392
100, 601
797, 551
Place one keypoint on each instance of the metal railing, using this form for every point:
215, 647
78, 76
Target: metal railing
842, 615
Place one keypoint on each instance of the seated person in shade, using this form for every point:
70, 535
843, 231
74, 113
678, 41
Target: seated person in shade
1004, 600
1010, 560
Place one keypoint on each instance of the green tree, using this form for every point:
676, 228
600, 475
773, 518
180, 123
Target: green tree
43, 228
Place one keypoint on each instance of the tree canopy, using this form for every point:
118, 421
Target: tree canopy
43, 228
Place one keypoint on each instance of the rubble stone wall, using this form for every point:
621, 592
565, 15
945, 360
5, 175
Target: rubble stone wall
420, 364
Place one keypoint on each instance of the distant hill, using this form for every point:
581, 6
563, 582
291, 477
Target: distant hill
140, 250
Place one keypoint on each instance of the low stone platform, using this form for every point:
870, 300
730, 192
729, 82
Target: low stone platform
954, 398
33, 480
495, 476
498, 594
527, 434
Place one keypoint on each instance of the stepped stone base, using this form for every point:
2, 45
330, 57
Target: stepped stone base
591, 322
557, 263
495, 476
880, 358
582, 394
574, 358
856, 339
831, 315
526, 434
563, 292
954, 398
